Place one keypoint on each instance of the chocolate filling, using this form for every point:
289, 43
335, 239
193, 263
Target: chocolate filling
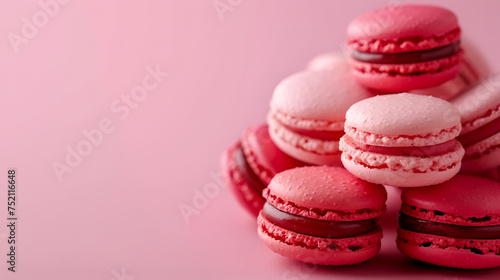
408, 57
246, 171
481, 133
465, 232
318, 228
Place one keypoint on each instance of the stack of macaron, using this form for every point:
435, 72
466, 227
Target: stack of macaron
410, 107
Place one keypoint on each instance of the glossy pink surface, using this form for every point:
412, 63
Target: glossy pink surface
118, 212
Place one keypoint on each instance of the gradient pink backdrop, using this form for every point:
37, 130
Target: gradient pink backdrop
116, 215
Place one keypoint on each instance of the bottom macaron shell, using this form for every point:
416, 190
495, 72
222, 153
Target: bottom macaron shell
401, 83
304, 155
317, 250
399, 178
373, 78
249, 198
451, 256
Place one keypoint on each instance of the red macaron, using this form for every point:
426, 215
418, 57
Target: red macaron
322, 215
453, 224
405, 47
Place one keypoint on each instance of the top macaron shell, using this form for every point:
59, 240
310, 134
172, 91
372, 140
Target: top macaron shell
316, 99
385, 120
460, 198
330, 188
403, 28
480, 104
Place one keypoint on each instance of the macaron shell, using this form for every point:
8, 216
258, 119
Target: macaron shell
394, 78
265, 159
403, 28
399, 178
303, 148
480, 104
322, 213
318, 250
449, 257
323, 187
251, 200
403, 114
317, 96
462, 196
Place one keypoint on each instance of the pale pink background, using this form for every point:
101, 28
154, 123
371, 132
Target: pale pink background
119, 209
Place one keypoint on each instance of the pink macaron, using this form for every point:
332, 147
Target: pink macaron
479, 109
306, 119
322, 215
251, 163
402, 140
404, 47
453, 224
